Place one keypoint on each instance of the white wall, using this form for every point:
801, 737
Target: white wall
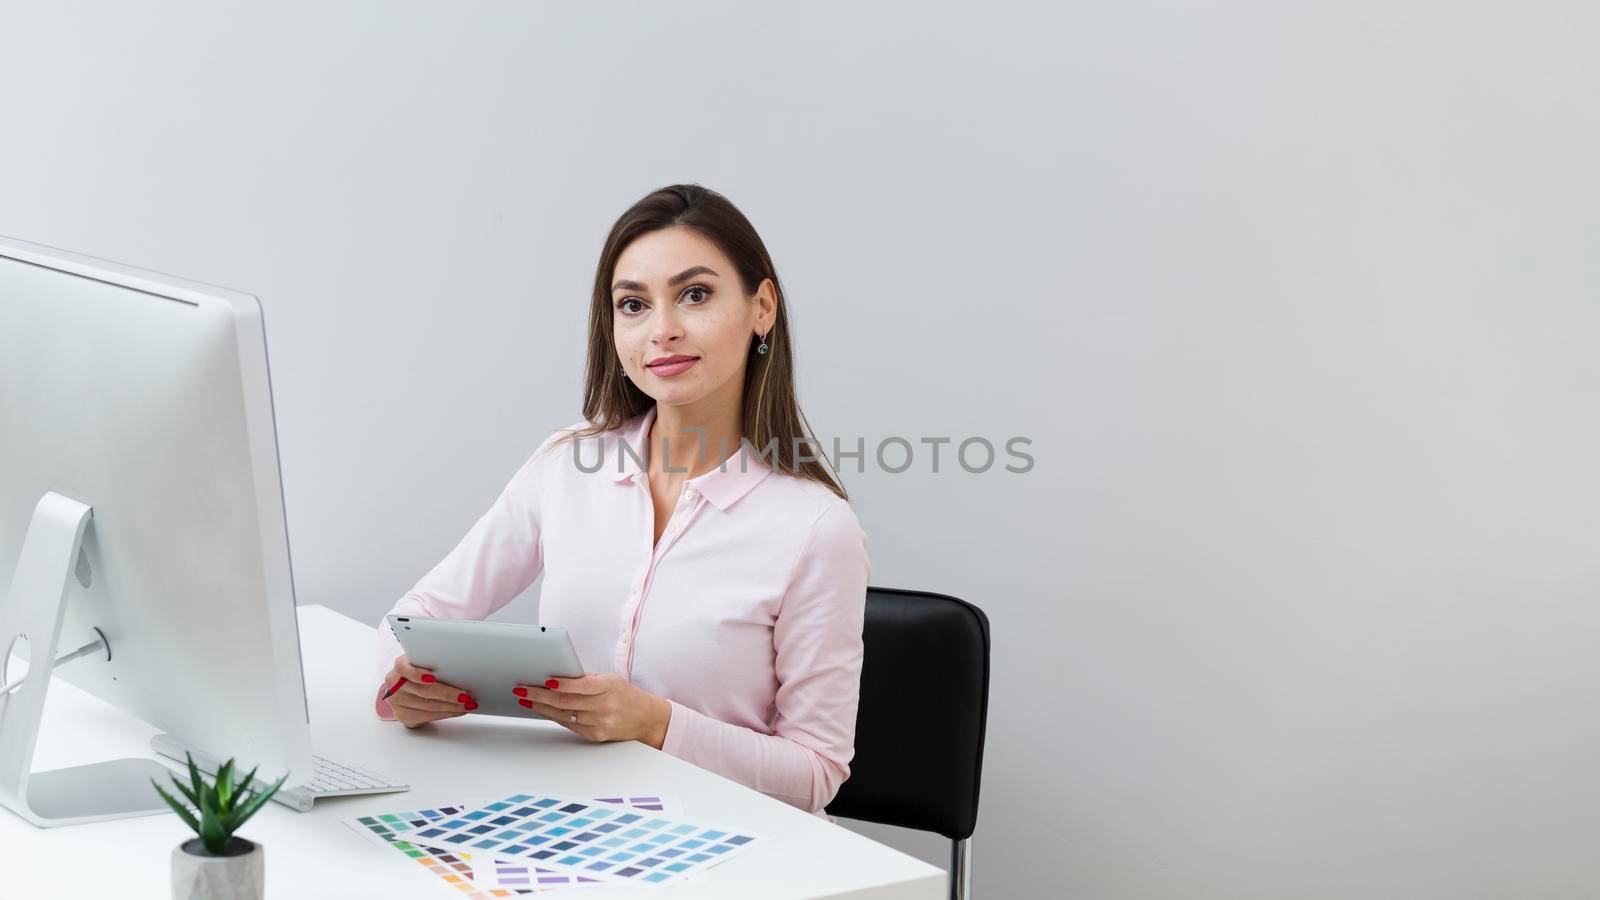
1297, 302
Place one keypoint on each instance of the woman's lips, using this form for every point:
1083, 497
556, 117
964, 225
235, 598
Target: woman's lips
666, 370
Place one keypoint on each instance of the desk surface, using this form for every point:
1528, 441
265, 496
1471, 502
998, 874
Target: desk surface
316, 855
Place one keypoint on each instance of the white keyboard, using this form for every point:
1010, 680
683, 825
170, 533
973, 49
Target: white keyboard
336, 778
330, 779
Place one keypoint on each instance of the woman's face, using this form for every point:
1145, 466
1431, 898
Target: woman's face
675, 294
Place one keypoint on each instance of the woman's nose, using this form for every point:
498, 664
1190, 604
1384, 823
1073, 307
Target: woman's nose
667, 328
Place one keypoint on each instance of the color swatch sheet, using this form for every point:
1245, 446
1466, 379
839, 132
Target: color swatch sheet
584, 839
476, 876
455, 871
496, 871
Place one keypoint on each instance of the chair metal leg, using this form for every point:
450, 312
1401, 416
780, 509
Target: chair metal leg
961, 869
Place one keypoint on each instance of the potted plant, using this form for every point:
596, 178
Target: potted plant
218, 865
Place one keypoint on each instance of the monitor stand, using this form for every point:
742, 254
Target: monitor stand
35, 608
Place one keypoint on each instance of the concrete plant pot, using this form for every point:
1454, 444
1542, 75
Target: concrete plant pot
239, 873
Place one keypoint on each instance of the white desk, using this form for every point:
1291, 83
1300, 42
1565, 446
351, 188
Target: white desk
316, 855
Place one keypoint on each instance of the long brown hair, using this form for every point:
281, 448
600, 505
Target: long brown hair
770, 412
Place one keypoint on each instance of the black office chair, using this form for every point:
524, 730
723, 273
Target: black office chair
920, 725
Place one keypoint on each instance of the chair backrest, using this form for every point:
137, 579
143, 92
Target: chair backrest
924, 706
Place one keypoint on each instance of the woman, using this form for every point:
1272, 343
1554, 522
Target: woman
717, 595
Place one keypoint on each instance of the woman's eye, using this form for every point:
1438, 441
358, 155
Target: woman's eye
623, 303
698, 289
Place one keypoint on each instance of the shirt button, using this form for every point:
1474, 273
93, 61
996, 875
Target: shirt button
688, 490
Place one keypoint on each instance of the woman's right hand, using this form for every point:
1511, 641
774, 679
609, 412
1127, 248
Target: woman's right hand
423, 698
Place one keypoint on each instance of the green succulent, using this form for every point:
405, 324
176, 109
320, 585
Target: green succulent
224, 805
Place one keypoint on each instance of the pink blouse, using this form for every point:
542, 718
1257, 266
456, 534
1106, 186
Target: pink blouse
746, 617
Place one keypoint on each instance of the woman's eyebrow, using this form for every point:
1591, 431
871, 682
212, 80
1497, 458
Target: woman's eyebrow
674, 281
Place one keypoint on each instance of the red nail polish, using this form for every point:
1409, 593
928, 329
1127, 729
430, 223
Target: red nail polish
552, 684
520, 692
464, 698
472, 706
527, 703
427, 678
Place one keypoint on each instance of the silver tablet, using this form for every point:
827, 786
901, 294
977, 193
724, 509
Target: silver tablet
488, 659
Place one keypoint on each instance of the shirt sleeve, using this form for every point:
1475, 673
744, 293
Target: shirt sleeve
817, 637
497, 559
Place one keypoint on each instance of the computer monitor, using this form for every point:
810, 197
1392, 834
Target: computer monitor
136, 425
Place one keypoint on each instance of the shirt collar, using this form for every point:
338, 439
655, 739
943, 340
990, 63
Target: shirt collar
723, 485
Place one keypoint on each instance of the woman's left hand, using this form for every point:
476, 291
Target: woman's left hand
608, 706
